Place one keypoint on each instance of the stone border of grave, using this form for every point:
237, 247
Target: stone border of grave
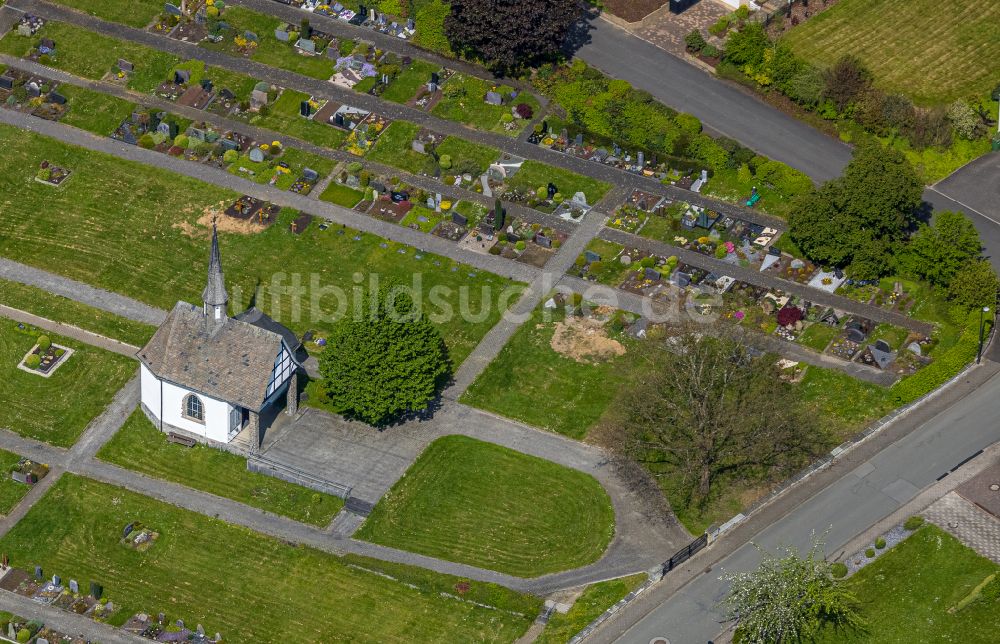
46, 374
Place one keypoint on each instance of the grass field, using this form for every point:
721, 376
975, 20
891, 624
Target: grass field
589, 606
134, 13
56, 409
466, 156
93, 111
283, 116
338, 193
405, 85
482, 504
933, 51
534, 174
155, 246
140, 446
248, 586
393, 148
91, 55
470, 107
61, 309
532, 382
11, 492
907, 594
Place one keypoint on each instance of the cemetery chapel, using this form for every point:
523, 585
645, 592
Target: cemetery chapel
211, 377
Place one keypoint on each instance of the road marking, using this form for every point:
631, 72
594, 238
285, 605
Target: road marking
964, 205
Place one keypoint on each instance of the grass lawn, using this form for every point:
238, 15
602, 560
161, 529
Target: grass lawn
91, 55
906, 594
726, 186
11, 492
534, 174
471, 108
482, 504
93, 111
61, 309
297, 160
406, 84
283, 116
589, 606
270, 50
393, 148
248, 586
338, 193
532, 382
817, 336
56, 409
933, 51
157, 254
466, 156
133, 13
140, 446
609, 270
422, 218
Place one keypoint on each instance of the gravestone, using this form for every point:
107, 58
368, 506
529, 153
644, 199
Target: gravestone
309, 174
494, 98
6, 82
182, 76
56, 580
882, 345
74, 586
579, 139
418, 146
543, 241
33, 89
459, 219
256, 155
41, 640
180, 624
305, 109
338, 118
410, 24
591, 256
57, 98
914, 348
38, 572
125, 65
164, 129
379, 186
96, 590
196, 133
580, 199
200, 630
306, 45
172, 10
652, 275
251, 36
281, 35
372, 14
437, 200
435, 79
552, 190
641, 162
430, 202
229, 144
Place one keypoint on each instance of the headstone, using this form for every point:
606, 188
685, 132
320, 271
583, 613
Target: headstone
882, 345
251, 36
180, 624
161, 617
410, 24
200, 630
437, 200
41, 640
172, 10
305, 109
281, 35
552, 190
164, 129
57, 98
74, 586
580, 198
652, 275
338, 118
229, 144
125, 66
704, 176
579, 139
182, 76
459, 219
6, 82
372, 14
435, 79
494, 98
33, 89
96, 590
56, 580
306, 45
38, 572
430, 203
256, 155
379, 186
419, 146
641, 162
914, 348
591, 256
543, 241
309, 174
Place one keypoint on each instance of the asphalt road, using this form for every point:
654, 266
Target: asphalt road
975, 190
721, 106
872, 491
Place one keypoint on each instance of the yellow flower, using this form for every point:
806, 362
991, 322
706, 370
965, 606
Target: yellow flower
445, 205
275, 144
265, 147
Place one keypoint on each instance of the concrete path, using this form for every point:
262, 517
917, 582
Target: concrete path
70, 331
65, 621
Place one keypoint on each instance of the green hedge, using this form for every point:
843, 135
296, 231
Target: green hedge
945, 366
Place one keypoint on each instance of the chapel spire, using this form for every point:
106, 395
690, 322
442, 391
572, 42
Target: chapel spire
215, 296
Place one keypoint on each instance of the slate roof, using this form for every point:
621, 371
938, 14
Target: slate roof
230, 360
262, 320
215, 289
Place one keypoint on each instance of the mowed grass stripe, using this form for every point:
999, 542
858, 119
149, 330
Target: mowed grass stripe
933, 51
482, 504
248, 586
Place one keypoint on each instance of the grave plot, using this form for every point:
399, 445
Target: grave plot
391, 207
253, 210
160, 629
386, 67
793, 268
31, 94
429, 94
649, 275
485, 106
29, 472
365, 128
852, 340
601, 262
300, 223
52, 175
545, 188
45, 357
524, 242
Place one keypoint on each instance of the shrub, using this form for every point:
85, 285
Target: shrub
230, 156
580, 261
23, 635
495, 249
507, 117
524, 111
32, 361
838, 569
966, 120
44, 59
577, 299
688, 124
44, 342
789, 315
719, 27
182, 140
520, 245
542, 192
354, 167
365, 178
720, 251
914, 522
146, 141
448, 180
846, 80
595, 267
695, 41
44, 174
711, 51
870, 553
444, 161
879, 543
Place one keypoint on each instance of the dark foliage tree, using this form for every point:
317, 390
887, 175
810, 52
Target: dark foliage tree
930, 128
509, 35
747, 45
385, 362
707, 409
846, 80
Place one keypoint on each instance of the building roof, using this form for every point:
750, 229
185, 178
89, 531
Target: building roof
228, 359
262, 320
215, 289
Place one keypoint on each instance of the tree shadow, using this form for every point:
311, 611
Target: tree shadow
580, 33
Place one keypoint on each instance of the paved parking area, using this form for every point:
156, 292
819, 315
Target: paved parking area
968, 523
667, 31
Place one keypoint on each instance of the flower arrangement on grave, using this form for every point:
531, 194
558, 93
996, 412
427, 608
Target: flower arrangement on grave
730, 247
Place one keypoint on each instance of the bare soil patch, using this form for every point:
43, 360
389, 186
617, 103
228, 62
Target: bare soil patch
632, 10
585, 340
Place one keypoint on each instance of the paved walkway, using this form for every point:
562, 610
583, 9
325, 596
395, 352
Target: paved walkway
65, 621
327, 90
70, 331
767, 280
967, 523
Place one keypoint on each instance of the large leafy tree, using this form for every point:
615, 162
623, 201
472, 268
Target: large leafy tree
710, 408
384, 363
974, 285
939, 250
509, 35
789, 598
